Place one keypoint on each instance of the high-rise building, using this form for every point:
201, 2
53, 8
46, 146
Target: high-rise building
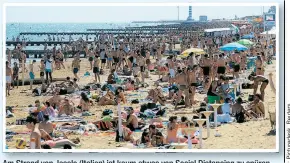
203, 18
189, 13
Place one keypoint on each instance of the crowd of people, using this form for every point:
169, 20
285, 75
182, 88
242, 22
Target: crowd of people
213, 74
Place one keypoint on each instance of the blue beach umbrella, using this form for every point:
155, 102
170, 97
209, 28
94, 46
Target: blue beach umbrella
249, 36
233, 46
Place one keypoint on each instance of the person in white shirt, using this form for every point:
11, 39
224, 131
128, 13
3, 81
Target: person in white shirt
48, 68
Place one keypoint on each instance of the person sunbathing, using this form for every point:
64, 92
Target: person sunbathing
257, 108
106, 123
85, 102
66, 108
172, 129
58, 142
55, 101
111, 78
120, 95
46, 125
70, 126
145, 138
158, 140
108, 98
132, 120
130, 86
156, 96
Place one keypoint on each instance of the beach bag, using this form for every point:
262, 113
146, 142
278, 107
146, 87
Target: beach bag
151, 105
161, 112
143, 108
104, 87
240, 117
135, 101
107, 112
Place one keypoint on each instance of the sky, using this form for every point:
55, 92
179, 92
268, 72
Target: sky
92, 14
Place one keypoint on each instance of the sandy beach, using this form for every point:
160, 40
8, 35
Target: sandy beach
248, 135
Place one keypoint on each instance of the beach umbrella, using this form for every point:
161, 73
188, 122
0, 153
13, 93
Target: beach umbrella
245, 42
249, 36
233, 46
235, 28
193, 50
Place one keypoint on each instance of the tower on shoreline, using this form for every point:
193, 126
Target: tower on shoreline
189, 13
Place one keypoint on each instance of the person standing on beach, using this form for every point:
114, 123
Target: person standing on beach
103, 58
96, 69
42, 69
31, 74
76, 67
91, 58
8, 78
60, 57
141, 63
22, 61
8, 52
15, 74
48, 68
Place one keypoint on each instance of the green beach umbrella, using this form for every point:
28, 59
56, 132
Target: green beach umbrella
245, 42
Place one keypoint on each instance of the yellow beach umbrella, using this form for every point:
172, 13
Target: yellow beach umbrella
193, 50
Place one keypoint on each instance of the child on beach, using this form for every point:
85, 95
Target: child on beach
76, 66
96, 69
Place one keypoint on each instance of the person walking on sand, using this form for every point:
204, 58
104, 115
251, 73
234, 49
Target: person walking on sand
31, 74
76, 67
8, 78
96, 69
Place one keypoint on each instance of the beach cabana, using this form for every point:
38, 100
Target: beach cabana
233, 46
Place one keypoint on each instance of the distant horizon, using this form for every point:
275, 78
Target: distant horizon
116, 14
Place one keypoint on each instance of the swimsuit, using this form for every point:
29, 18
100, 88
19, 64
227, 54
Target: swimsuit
142, 68
31, 75
91, 59
96, 70
266, 81
8, 79
206, 71
221, 70
75, 70
194, 84
236, 67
